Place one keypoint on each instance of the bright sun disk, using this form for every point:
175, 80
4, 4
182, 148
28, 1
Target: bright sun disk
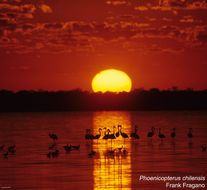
111, 80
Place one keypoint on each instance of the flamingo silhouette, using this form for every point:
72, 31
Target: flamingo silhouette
75, 147
173, 134
112, 136
67, 148
124, 135
98, 135
53, 136
134, 134
70, 147
161, 135
124, 151
88, 135
190, 133
151, 133
11, 149
106, 136
118, 132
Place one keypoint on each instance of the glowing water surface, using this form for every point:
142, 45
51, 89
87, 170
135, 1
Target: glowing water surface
31, 169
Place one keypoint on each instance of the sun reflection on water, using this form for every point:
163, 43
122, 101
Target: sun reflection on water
112, 166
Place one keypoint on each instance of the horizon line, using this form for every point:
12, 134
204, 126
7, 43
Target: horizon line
174, 88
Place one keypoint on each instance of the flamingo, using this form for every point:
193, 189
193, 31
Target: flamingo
53, 136
124, 151
190, 134
88, 135
161, 135
98, 135
134, 134
173, 134
67, 148
11, 149
106, 136
124, 135
118, 132
112, 136
75, 147
151, 133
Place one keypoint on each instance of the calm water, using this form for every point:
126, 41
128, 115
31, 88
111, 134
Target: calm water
30, 168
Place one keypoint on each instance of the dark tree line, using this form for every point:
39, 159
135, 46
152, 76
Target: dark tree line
77, 100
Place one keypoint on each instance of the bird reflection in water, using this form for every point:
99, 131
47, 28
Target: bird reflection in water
112, 168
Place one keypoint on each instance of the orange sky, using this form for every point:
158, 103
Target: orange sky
61, 44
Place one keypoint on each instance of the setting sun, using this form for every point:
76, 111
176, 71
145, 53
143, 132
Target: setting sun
111, 80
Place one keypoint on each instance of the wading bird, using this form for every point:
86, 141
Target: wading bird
173, 133
134, 134
53, 136
118, 132
151, 133
112, 136
107, 134
124, 135
98, 135
190, 133
88, 135
75, 147
161, 135
12, 149
67, 148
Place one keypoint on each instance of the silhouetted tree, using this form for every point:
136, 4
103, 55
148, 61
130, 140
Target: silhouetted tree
77, 100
